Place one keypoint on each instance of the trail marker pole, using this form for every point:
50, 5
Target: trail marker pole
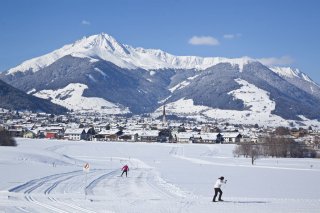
86, 169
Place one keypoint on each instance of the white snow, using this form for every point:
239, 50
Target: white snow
258, 103
105, 47
183, 84
180, 86
31, 91
92, 78
47, 176
256, 99
286, 72
100, 71
292, 73
72, 97
152, 72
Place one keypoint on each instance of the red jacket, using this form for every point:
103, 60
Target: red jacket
125, 168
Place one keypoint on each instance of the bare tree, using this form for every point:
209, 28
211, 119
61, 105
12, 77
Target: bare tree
277, 146
254, 151
282, 131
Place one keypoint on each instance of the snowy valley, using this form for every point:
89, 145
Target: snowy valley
47, 176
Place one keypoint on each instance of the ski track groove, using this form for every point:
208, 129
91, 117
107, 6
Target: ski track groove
52, 208
55, 184
95, 182
36, 183
73, 206
32, 185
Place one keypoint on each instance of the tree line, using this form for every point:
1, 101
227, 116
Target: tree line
274, 146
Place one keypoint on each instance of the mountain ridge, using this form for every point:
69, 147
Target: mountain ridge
102, 45
137, 80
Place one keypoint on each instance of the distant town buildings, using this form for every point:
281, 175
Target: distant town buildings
111, 128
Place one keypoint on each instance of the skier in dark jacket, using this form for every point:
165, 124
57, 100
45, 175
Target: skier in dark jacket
125, 169
217, 188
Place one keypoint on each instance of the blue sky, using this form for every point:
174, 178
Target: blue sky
283, 32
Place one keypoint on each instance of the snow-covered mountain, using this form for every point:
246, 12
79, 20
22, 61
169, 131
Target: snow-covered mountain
299, 79
105, 47
99, 73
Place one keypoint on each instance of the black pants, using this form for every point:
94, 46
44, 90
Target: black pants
216, 191
125, 171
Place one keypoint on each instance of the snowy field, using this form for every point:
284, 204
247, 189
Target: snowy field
48, 176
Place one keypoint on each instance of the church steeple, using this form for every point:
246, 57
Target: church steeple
164, 122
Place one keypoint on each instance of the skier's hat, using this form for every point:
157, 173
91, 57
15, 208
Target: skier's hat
221, 178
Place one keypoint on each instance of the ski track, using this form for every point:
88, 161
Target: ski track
131, 192
141, 180
54, 204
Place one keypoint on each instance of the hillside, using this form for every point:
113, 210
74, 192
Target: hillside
14, 99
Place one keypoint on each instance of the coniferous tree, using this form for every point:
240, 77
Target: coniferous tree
6, 139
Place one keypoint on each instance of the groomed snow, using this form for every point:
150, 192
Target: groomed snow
72, 97
47, 176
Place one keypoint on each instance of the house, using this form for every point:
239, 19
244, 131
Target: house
90, 132
15, 130
107, 135
207, 138
75, 134
184, 137
247, 139
196, 138
231, 137
298, 132
209, 128
49, 132
129, 136
148, 135
29, 134
51, 135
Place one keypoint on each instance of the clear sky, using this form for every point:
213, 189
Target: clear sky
282, 32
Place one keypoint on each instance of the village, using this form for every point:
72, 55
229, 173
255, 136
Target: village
115, 128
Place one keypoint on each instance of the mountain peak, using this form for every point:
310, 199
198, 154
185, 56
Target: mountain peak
102, 41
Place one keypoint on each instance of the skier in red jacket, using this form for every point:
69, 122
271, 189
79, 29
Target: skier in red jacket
125, 169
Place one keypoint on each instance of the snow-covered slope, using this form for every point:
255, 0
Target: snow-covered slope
71, 97
105, 47
289, 72
259, 108
47, 176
